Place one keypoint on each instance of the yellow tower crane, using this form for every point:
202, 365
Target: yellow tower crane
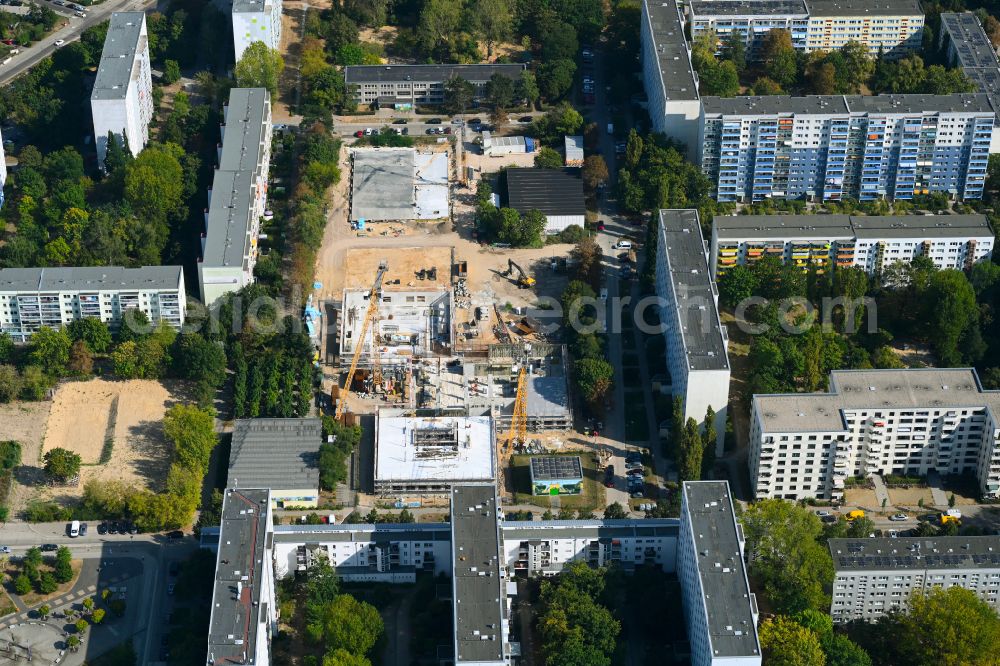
517, 435
374, 296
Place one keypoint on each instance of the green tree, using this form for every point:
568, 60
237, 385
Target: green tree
347, 623
691, 449
88, 604
341, 657
615, 511
91, 331
73, 643
458, 94
547, 158
824, 79
98, 616
737, 284
735, 51
198, 359
719, 78
22, 585
952, 312
44, 610
494, 22
6, 347
594, 379
80, 360
842, 651
784, 642
259, 67
81, 626
154, 188
439, 20
10, 383
766, 86
499, 90
778, 55
952, 626
47, 583
594, 172
61, 464
171, 71
49, 349
526, 88
555, 78
192, 430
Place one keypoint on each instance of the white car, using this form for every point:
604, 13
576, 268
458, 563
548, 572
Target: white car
823, 514
4, 549
898, 517
80, 14
60, 42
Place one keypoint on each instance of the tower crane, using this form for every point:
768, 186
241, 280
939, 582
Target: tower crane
517, 435
371, 316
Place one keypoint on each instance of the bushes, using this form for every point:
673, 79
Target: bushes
333, 455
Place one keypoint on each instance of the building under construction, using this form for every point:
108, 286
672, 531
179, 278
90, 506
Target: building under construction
428, 455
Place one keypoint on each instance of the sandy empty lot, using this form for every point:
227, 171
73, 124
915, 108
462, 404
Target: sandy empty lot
25, 422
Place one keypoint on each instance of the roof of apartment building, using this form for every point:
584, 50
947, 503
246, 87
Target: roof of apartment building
362, 532
91, 278
123, 41
727, 600
864, 8
280, 454
476, 565
250, 6
957, 103
785, 227
845, 104
694, 289
237, 602
227, 240
919, 553
427, 73
969, 40
751, 8
526, 530
551, 191
247, 122
676, 71
928, 388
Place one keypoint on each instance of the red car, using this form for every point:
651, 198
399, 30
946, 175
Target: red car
600, 226
359, 134
447, 130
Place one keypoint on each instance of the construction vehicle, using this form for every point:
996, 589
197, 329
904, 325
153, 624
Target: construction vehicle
523, 279
945, 519
371, 316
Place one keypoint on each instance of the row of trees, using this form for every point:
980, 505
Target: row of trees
574, 623
10, 458
692, 448
279, 383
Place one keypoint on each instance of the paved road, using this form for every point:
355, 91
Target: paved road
70, 31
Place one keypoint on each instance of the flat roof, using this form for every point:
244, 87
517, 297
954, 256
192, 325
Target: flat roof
362, 532
694, 289
476, 575
91, 278
731, 627
529, 530
551, 191
573, 146
444, 448
968, 39
247, 119
124, 40
398, 184
926, 388
427, 73
556, 467
547, 396
864, 8
237, 602
785, 227
705, 8
244, 6
279, 454
915, 553
227, 235
845, 104
672, 55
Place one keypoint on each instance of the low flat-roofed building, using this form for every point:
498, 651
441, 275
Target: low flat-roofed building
479, 586
573, 147
280, 454
556, 193
398, 184
872, 242
243, 615
720, 611
877, 575
556, 475
405, 86
497, 146
697, 342
431, 454
34, 297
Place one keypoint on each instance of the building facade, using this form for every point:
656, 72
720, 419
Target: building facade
256, 21
122, 100
34, 297
719, 609
911, 422
830, 147
696, 341
3, 170
405, 86
238, 197
877, 575
871, 243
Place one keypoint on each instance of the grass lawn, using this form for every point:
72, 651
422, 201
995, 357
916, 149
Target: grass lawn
6, 605
33, 598
636, 426
591, 498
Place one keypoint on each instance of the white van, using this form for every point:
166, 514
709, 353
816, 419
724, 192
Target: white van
624, 245
74, 529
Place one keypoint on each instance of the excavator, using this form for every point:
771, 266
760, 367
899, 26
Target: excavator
523, 279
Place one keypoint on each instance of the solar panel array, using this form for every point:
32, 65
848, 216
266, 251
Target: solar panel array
912, 553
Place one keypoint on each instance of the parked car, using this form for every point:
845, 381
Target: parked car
176, 534
4, 549
400, 121
359, 133
476, 121
83, 529
102, 528
133, 528
447, 130
823, 514
112, 527
433, 121
525, 119
898, 517
48, 547
600, 226
59, 42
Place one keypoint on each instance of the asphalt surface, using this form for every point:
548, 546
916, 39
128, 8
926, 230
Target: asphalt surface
69, 31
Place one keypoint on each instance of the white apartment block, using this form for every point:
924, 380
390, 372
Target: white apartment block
407, 86
911, 421
122, 100
238, 197
669, 79
872, 243
695, 338
256, 21
878, 575
719, 609
34, 297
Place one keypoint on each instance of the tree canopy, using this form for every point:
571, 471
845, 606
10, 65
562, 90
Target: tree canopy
259, 67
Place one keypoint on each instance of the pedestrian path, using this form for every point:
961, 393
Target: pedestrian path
73, 596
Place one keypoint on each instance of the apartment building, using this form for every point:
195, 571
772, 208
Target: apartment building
967, 46
889, 27
872, 243
122, 100
256, 21
669, 79
695, 338
406, 86
911, 421
719, 609
830, 147
238, 197
878, 575
34, 297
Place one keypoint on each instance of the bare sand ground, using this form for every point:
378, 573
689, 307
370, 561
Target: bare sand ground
25, 422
